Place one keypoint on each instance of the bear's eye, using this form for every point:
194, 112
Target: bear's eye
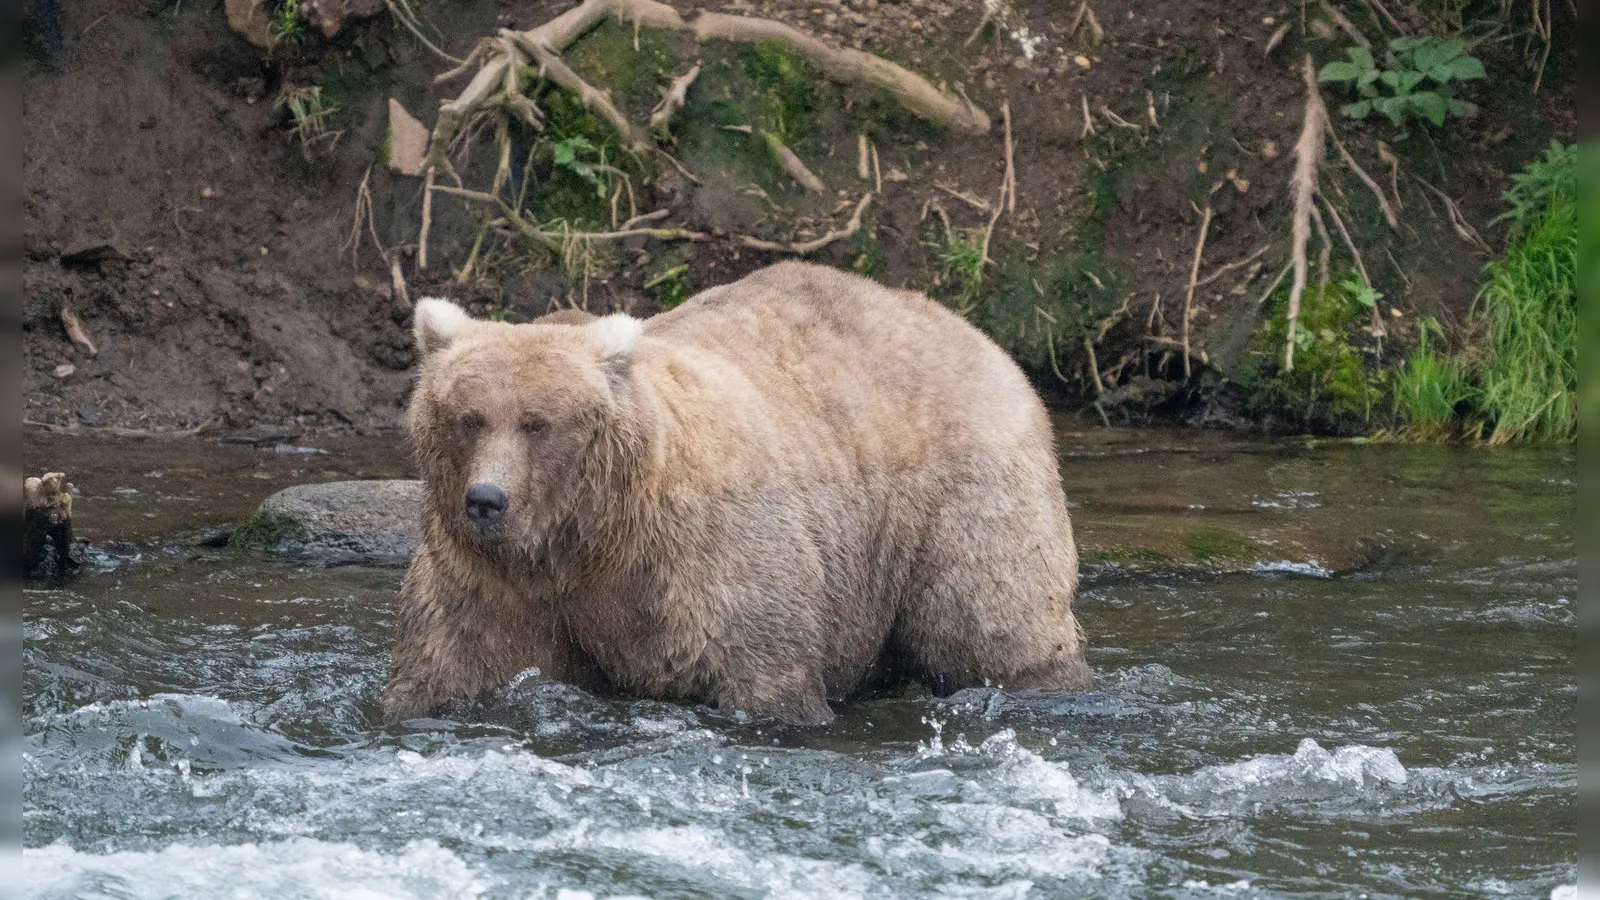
534, 424
469, 425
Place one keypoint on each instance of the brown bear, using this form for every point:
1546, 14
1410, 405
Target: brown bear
788, 490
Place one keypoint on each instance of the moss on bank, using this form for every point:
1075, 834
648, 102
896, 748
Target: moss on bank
268, 530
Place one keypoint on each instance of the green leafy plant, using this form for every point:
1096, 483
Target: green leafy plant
672, 286
1414, 82
1537, 186
578, 155
1361, 292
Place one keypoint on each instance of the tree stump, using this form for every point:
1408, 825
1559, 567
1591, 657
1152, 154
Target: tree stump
47, 527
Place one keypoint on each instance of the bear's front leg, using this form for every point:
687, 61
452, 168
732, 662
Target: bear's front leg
461, 635
798, 700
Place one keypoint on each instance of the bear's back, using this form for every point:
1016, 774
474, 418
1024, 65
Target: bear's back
883, 363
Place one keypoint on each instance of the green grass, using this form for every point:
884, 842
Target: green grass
958, 258
1537, 186
1521, 385
1430, 388
1530, 305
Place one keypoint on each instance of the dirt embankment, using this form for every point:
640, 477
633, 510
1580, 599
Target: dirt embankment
219, 269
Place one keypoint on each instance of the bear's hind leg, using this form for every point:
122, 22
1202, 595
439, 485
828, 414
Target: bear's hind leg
991, 602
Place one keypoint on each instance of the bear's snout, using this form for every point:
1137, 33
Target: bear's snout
486, 505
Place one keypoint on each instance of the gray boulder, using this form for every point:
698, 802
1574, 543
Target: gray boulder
339, 522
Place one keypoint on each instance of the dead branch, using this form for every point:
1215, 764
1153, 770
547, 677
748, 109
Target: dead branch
840, 64
407, 18
675, 97
863, 158
76, 332
1011, 165
977, 203
1308, 151
397, 282
843, 65
1088, 120
1116, 120
1276, 38
792, 165
1223, 270
642, 218
805, 247
1346, 25
1194, 275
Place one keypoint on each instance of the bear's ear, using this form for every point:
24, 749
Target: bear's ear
618, 335
437, 323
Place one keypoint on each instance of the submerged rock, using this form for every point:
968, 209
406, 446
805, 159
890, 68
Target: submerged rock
341, 521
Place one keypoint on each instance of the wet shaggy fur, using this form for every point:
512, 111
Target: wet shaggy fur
789, 490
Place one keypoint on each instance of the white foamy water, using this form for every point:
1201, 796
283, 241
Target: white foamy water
295, 868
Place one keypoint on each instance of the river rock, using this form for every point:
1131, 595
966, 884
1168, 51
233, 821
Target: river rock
340, 521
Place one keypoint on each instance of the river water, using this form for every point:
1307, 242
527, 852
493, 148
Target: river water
1388, 710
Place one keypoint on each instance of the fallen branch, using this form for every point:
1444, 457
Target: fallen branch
1011, 164
840, 64
1223, 270
76, 332
1346, 25
674, 99
844, 65
805, 247
792, 165
1194, 275
977, 203
1308, 150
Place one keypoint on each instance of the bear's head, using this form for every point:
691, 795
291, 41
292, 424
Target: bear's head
508, 421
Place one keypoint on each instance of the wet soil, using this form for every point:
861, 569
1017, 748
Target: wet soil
215, 265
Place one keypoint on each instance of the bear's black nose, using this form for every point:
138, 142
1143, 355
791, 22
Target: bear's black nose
486, 503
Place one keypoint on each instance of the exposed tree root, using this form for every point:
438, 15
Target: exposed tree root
1308, 151
1194, 276
802, 248
497, 89
674, 99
